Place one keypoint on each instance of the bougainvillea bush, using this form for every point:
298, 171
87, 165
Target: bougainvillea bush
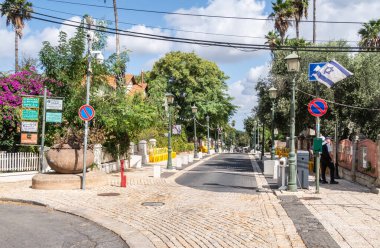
12, 87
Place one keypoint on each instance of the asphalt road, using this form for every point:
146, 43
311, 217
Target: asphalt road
24, 225
223, 173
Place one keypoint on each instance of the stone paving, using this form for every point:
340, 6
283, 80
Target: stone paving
348, 212
189, 218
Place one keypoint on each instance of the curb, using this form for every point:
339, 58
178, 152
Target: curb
131, 236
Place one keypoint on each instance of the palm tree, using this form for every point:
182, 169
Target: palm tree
116, 26
282, 12
16, 12
300, 10
273, 39
370, 35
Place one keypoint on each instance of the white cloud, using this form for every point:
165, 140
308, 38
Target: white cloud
202, 25
138, 45
243, 92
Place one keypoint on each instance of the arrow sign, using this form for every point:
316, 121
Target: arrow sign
317, 107
86, 112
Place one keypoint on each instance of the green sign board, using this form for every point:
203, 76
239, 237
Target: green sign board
54, 117
28, 102
317, 145
29, 115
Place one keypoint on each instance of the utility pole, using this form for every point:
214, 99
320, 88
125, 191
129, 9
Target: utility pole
43, 132
314, 19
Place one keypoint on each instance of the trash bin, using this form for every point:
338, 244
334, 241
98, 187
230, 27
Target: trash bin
303, 169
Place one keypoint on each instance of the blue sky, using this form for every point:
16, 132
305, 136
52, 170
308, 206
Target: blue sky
243, 68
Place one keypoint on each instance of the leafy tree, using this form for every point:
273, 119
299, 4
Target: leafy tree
193, 81
16, 12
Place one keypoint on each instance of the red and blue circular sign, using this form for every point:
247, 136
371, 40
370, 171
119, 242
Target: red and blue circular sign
86, 112
317, 107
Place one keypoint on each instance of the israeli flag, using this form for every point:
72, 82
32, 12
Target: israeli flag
331, 73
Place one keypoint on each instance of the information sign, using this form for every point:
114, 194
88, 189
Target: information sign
29, 126
29, 115
55, 104
54, 117
29, 138
28, 102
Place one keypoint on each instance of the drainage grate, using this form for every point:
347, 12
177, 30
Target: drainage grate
108, 194
153, 204
310, 198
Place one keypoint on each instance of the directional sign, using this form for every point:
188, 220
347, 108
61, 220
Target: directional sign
313, 68
55, 117
86, 112
29, 115
29, 126
317, 107
28, 102
54, 104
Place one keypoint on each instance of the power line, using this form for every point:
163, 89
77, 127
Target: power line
208, 42
195, 15
340, 104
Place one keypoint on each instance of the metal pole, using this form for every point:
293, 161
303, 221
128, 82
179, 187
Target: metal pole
208, 134
254, 138
169, 165
263, 147
195, 139
258, 137
43, 133
317, 155
272, 151
89, 71
292, 184
336, 147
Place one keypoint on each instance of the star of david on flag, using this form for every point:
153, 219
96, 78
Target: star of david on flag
331, 73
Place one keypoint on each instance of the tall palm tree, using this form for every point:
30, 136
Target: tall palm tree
282, 13
300, 10
370, 35
16, 12
116, 26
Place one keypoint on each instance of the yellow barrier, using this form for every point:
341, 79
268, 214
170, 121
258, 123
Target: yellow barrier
204, 149
159, 154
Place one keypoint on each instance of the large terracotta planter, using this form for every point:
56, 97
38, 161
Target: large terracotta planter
67, 160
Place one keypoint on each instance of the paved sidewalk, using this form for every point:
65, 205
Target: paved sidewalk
188, 218
342, 215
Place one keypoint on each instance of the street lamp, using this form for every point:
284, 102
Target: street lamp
254, 136
208, 134
272, 96
194, 109
169, 100
293, 65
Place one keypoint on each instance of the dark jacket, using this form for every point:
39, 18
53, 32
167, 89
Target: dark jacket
325, 156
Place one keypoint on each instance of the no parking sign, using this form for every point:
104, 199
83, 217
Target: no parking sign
317, 107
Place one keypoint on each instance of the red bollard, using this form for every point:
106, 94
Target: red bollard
123, 177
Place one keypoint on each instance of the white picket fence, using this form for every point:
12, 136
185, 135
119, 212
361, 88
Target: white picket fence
20, 161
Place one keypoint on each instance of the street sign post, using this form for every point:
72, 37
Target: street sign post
28, 102
54, 117
29, 115
317, 107
86, 112
29, 126
313, 68
55, 104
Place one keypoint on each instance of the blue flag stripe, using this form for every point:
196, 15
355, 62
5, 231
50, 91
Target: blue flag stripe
325, 79
343, 70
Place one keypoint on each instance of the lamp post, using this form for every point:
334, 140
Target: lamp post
272, 96
293, 66
208, 134
170, 100
254, 136
194, 109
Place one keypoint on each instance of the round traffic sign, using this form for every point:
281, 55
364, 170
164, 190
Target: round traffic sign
317, 107
86, 112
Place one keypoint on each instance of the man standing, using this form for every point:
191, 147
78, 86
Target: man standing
326, 161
